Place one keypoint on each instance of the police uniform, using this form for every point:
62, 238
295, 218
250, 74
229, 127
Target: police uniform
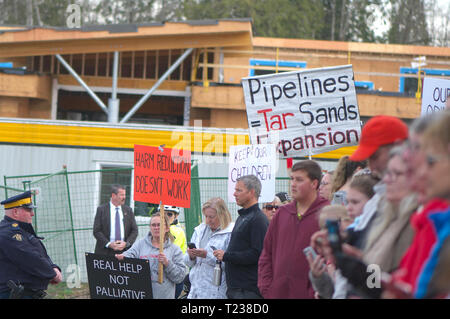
23, 257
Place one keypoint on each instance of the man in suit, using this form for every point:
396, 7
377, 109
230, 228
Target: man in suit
114, 226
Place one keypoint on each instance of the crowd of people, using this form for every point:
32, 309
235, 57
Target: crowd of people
390, 200
377, 226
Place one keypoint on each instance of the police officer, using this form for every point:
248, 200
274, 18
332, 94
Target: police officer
25, 268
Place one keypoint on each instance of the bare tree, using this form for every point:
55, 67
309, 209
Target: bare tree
438, 22
333, 17
38, 15
344, 20
29, 10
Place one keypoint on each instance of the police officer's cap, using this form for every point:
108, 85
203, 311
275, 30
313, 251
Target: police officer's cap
21, 200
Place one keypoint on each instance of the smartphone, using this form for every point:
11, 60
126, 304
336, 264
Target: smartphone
191, 245
213, 248
334, 236
309, 250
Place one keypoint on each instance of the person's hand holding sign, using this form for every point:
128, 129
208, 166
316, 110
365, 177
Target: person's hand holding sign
119, 256
163, 259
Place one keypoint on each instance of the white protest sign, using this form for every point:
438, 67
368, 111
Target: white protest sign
434, 95
258, 160
303, 112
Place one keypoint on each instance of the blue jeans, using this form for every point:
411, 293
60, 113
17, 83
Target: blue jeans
178, 289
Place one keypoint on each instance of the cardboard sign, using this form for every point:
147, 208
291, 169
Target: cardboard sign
110, 278
434, 95
258, 160
303, 112
162, 175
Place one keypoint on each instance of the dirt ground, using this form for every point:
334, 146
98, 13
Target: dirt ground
61, 291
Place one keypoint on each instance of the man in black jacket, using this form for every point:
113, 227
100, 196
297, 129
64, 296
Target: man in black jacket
246, 242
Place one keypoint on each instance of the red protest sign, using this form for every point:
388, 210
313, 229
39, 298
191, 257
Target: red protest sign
162, 175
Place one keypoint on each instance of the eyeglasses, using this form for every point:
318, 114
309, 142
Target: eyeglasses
270, 207
170, 214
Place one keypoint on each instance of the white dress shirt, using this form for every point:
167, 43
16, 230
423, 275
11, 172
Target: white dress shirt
112, 212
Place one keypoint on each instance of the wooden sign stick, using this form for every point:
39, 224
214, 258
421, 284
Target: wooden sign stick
162, 232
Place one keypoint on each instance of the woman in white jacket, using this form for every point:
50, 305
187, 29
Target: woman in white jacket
171, 258
213, 234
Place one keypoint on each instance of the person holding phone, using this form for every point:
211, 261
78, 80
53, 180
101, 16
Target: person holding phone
210, 236
322, 272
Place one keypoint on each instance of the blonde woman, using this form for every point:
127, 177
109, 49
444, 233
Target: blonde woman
171, 258
213, 234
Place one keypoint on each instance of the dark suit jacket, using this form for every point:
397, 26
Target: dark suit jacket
102, 229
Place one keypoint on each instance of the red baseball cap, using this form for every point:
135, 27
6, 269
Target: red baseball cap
379, 130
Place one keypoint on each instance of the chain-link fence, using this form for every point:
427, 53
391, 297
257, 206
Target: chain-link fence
67, 203
6, 192
218, 187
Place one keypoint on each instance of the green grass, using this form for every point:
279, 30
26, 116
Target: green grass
61, 291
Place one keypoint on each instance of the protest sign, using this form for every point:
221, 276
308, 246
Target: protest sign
434, 95
162, 175
110, 278
258, 160
303, 112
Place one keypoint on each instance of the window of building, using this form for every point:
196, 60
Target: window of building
364, 85
123, 175
114, 174
409, 85
273, 63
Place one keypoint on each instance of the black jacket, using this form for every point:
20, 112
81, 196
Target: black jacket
23, 257
244, 249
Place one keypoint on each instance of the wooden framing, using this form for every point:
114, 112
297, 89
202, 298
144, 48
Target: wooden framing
40, 41
147, 53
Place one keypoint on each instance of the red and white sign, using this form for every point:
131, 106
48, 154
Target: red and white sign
162, 175
303, 112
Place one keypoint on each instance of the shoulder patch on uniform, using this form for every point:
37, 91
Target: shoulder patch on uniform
17, 237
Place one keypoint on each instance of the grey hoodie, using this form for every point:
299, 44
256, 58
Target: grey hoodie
174, 273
